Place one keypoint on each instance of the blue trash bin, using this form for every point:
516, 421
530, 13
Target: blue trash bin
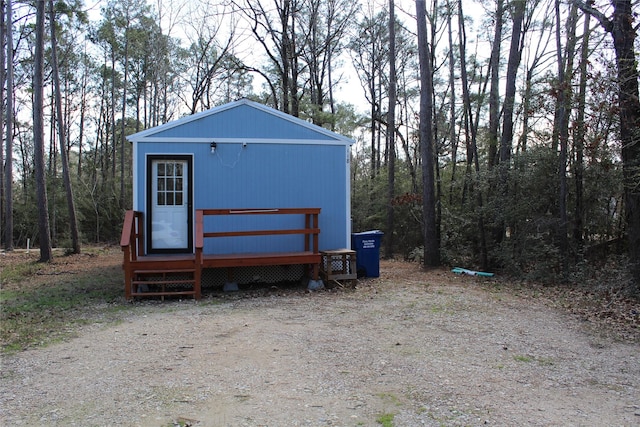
367, 247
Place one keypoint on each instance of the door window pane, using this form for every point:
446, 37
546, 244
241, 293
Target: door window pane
170, 184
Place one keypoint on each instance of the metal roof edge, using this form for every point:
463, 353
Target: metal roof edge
176, 140
181, 121
298, 121
145, 134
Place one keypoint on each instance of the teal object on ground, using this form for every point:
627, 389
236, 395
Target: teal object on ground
459, 270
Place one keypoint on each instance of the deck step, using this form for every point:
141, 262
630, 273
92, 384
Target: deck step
164, 282
174, 270
161, 294
156, 281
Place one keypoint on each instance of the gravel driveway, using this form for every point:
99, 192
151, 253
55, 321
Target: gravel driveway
422, 349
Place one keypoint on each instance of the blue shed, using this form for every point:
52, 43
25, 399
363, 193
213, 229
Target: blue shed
241, 155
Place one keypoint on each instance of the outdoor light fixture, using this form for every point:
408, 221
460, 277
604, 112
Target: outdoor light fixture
213, 147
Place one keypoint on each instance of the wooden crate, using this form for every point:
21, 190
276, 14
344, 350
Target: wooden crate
338, 264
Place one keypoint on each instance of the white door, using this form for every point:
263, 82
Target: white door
170, 216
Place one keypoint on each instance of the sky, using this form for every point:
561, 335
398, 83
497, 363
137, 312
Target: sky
176, 20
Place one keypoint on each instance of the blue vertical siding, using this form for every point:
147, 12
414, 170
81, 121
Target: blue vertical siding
264, 175
286, 163
242, 121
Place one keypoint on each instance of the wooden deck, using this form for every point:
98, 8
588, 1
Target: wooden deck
181, 274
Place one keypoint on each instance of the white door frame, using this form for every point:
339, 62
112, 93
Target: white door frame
175, 190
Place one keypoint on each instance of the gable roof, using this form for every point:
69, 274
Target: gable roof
240, 120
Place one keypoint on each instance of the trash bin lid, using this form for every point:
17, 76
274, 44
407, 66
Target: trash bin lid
364, 233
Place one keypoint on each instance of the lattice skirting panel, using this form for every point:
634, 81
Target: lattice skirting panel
216, 277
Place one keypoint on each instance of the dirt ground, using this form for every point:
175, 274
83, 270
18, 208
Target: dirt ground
422, 349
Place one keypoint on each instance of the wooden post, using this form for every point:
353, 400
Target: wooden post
197, 274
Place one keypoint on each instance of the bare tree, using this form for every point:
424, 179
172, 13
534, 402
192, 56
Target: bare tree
536, 63
579, 134
276, 29
391, 131
2, 106
470, 124
38, 136
453, 139
8, 161
561, 128
515, 53
369, 53
64, 157
621, 28
430, 236
207, 55
127, 17
83, 110
517, 11
324, 24
494, 90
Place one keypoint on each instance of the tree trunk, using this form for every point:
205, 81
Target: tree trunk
436, 112
73, 223
112, 118
526, 108
83, 108
378, 120
471, 128
453, 140
373, 122
52, 177
515, 52
506, 141
293, 57
621, 28
430, 235
123, 205
624, 40
391, 132
578, 136
8, 160
332, 104
561, 126
38, 136
466, 110
494, 90
2, 106
539, 57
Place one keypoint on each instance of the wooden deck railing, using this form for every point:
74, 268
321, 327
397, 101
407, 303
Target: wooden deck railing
132, 245
136, 263
132, 237
307, 254
310, 225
